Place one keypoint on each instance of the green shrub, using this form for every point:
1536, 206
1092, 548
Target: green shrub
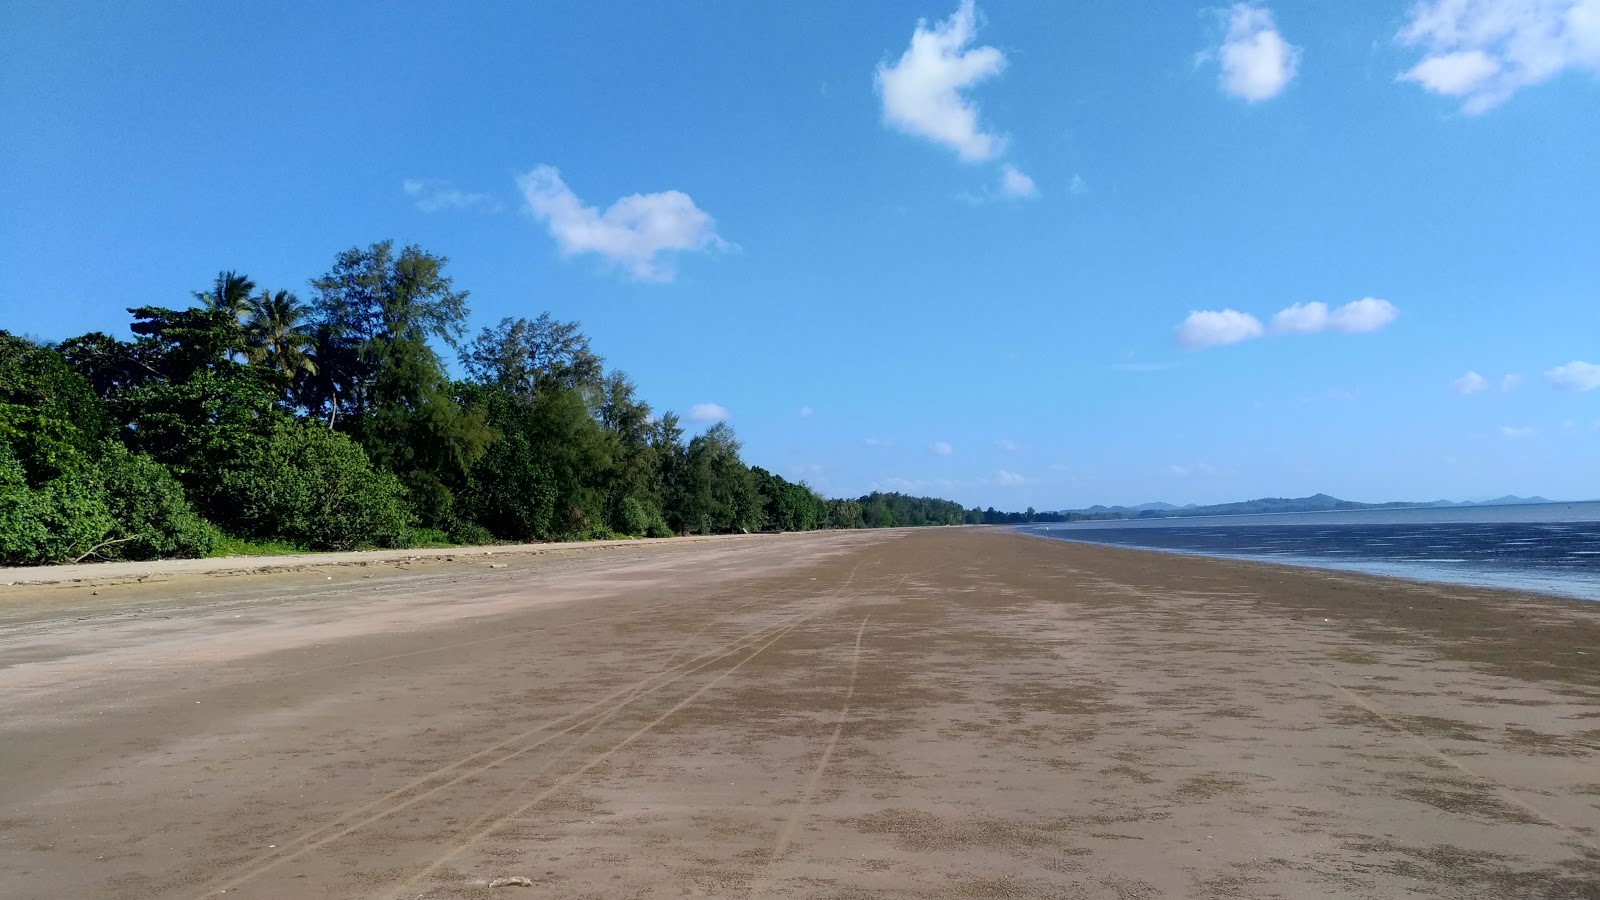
470, 534
599, 533
427, 537
316, 488
149, 506
54, 522
229, 545
641, 518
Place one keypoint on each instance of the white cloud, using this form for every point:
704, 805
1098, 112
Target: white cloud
1470, 383
940, 448
1362, 316
922, 93
1484, 51
707, 412
1511, 431
806, 412
1301, 318
1340, 395
1575, 376
1010, 446
1257, 63
1013, 183
1511, 382
1215, 328
876, 442
632, 233
1358, 316
431, 195
1006, 478
1077, 186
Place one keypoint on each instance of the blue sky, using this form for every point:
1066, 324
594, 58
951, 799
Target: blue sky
924, 246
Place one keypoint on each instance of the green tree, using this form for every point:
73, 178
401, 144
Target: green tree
278, 335
528, 357
386, 385
229, 298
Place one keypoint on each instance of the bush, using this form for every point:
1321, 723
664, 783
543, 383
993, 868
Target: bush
55, 522
427, 537
122, 507
641, 519
315, 488
599, 533
237, 546
470, 534
149, 506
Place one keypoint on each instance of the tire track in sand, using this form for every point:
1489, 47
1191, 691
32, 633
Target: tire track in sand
492, 821
791, 827
401, 798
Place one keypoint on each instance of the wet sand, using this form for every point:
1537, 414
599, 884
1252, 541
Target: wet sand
936, 713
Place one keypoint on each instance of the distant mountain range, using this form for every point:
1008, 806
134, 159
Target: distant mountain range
1314, 503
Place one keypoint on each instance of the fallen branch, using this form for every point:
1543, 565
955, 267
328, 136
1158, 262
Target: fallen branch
92, 550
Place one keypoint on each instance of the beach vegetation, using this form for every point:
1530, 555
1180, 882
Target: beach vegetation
253, 422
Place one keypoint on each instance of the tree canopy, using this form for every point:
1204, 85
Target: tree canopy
336, 423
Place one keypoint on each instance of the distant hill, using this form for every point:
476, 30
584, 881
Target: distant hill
1314, 503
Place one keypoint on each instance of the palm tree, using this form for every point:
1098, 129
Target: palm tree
229, 294
278, 336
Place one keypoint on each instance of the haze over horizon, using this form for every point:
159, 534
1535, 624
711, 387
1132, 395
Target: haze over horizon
1013, 255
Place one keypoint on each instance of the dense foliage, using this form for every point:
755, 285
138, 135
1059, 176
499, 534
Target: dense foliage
334, 423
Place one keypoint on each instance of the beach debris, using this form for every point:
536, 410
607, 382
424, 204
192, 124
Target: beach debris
497, 565
513, 881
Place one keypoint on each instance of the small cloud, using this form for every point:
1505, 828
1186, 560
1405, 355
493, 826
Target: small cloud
1340, 395
708, 412
1006, 478
1470, 383
1015, 184
1518, 432
1363, 316
1060, 467
806, 412
923, 93
1356, 317
1216, 328
632, 233
940, 448
1010, 446
1483, 51
431, 195
876, 442
1512, 382
1257, 63
1575, 376
1077, 187
1185, 471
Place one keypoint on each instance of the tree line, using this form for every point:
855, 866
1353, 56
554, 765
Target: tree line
252, 417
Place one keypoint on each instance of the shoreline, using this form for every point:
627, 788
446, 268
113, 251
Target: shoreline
1397, 570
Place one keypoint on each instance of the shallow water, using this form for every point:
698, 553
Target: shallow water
1549, 548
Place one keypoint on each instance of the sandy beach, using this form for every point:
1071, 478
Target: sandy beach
958, 712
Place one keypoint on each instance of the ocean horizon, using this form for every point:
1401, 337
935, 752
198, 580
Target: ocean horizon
1548, 548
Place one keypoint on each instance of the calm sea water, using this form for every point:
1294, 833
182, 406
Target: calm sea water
1551, 548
